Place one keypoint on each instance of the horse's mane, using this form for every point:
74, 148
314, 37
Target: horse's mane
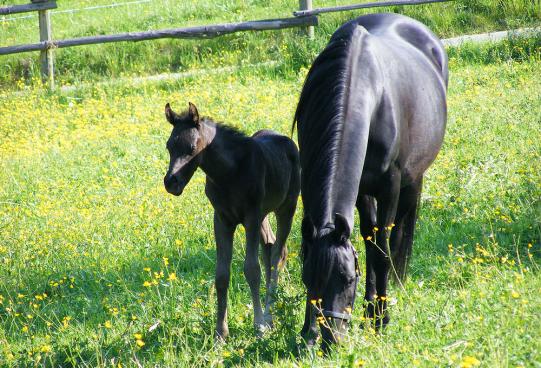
320, 120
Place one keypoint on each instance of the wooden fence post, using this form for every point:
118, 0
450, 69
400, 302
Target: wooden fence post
46, 56
307, 5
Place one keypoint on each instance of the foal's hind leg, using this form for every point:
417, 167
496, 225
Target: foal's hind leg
267, 240
284, 219
252, 271
223, 233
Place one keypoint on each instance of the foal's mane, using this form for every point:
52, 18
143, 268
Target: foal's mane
232, 134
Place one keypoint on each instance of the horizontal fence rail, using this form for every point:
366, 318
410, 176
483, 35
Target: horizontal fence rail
210, 31
305, 18
25, 8
304, 13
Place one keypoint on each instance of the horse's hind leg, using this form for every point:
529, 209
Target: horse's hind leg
284, 219
267, 240
402, 235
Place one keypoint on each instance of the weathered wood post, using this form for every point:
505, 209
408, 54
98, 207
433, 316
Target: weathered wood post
45, 35
307, 5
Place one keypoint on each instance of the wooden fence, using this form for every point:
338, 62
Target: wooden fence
306, 17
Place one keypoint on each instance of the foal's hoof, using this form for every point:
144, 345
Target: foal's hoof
261, 329
268, 321
220, 337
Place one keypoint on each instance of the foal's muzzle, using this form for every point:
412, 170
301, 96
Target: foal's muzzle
173, 185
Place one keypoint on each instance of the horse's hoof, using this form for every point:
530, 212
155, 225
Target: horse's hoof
377, 323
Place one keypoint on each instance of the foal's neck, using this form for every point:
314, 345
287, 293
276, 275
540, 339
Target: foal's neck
219, 157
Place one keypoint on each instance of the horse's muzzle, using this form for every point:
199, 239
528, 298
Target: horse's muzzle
173, 185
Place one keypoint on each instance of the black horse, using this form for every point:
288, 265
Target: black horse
371, 119
247, 178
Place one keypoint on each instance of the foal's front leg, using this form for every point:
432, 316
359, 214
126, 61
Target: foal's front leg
223, 233
252, 271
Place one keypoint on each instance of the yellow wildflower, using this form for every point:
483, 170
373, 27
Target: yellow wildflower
469, 361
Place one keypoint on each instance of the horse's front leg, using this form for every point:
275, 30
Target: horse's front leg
252, 271
223, 233
309, 331
378, 253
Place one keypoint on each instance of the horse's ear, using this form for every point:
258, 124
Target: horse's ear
193, 113
169, 114
342, 229
308, 230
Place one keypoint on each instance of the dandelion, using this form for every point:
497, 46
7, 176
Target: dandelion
319, 353
146, 269
45, 349
65, 321
313, 301
226, 354
469, 361
147, 284
515, 294
108, 324
138, 336
165, 261
24, 328
140, 343
172, 276
360, 363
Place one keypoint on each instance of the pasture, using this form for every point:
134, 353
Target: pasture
100, 266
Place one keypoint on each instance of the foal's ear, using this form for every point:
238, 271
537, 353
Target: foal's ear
169, 114
193, 113
342, 229
308, 230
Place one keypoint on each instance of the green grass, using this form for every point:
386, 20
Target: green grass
287, 47
85, 220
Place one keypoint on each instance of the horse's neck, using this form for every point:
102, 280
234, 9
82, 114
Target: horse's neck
218, 158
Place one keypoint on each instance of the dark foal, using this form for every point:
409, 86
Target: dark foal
247, 178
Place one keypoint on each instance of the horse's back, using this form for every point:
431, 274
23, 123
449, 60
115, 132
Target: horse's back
411, 62
389, 27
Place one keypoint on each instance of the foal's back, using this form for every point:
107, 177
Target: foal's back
280, 157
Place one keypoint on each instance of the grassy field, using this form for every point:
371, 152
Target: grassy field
114, 60
101, 267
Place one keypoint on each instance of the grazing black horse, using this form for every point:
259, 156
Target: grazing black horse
371, 119
247, 178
